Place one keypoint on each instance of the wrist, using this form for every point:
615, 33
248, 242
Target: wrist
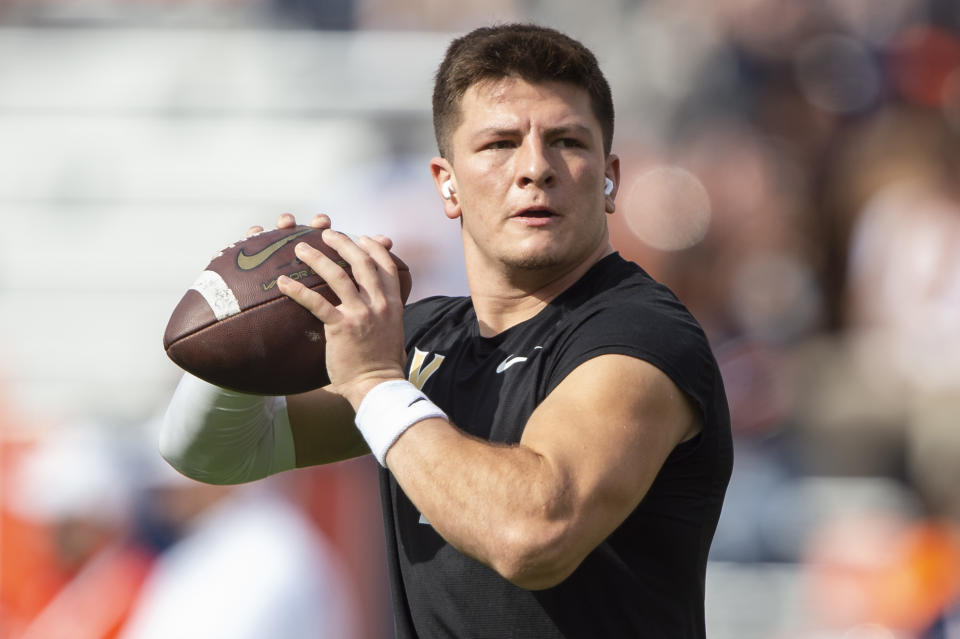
356, 391
388, 410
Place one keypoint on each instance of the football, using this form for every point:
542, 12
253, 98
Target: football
235, 329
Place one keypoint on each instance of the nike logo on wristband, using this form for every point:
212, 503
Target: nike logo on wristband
419, 399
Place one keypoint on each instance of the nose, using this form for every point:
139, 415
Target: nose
533, 164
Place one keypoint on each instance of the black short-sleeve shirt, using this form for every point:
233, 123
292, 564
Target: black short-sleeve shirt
646, 579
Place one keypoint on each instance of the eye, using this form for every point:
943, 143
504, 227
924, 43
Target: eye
500, 144
570, 143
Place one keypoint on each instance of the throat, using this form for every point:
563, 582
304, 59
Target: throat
497, 316
521, 293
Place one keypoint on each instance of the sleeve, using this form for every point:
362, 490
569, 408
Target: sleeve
661, 332
222, 437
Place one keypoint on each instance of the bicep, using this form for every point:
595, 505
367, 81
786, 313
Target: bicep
323, 428
606, 431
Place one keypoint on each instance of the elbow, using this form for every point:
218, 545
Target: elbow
172, 453
543, 544
202, 475
536, 557
190, 465
179, 464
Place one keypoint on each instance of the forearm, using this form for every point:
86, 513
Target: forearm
506, 506
323, 428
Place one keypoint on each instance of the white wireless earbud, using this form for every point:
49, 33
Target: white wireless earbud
446, 189
607, 186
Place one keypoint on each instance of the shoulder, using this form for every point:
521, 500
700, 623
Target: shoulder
617, 302
615, 283
620, 309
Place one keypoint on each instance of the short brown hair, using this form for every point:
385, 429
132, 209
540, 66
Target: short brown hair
527, 51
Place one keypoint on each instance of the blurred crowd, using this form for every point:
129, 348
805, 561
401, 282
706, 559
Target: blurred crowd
101, 539
791, 169
804, 203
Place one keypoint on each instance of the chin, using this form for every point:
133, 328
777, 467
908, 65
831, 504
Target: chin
537, 261
549, 255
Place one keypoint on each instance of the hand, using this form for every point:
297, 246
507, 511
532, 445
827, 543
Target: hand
364, 333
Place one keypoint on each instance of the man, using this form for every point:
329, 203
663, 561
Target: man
556, 447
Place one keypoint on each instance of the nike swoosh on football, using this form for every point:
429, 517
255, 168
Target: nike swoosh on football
510, 361
249, 262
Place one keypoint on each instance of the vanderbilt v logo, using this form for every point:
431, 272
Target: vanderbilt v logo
420, 374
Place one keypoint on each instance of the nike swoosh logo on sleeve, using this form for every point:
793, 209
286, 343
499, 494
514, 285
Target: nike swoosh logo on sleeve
249, 262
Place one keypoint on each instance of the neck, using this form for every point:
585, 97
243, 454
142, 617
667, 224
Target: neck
510, 296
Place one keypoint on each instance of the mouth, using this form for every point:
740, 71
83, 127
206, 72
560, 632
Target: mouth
535, 213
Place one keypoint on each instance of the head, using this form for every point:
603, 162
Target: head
529, 52
524, 119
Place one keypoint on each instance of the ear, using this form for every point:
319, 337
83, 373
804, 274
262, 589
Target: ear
442, 171
612, 171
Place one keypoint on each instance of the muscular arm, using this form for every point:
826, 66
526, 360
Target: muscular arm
588, 455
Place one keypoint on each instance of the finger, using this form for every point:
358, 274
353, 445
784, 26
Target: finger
366, 270
320, 221
373, 269
385, 263
332, 273
383, 240
254, 230
286, 221
317, 304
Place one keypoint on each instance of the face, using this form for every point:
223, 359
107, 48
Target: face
527, 168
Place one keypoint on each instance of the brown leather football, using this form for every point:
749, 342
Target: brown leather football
234, 328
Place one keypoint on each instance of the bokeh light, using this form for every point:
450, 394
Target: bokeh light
667, 208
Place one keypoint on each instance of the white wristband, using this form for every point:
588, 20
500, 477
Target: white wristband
390, 409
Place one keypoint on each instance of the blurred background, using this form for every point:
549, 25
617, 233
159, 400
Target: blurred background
790, 169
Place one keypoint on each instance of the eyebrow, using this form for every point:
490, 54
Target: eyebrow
495, 131
578, 129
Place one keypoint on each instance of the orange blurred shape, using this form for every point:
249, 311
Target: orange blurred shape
923, 578
30, 576
879, 569
921, 61
40, 596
